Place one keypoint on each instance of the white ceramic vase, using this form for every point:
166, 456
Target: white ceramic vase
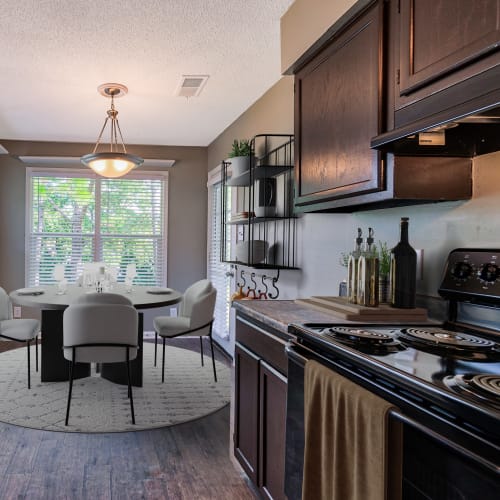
239, 165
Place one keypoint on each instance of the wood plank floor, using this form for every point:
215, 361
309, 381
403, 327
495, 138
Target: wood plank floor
188, 461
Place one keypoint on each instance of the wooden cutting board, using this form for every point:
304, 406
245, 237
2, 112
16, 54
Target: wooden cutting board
339, 307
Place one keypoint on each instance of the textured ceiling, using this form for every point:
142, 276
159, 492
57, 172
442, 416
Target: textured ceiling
54, 54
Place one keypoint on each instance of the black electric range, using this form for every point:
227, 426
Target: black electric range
444, 377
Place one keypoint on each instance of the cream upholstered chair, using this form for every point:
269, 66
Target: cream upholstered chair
100, 328
196, 316
22, 330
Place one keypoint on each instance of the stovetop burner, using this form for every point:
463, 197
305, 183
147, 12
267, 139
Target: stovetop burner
366, 340
483, 386
441, 340
360, 335
488, 383
440, 336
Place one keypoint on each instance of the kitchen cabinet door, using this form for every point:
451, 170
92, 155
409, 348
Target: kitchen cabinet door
338, 99
442, 43
246, 414
259, 403
273, 388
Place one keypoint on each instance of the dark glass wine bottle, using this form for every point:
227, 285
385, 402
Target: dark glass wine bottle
403, 272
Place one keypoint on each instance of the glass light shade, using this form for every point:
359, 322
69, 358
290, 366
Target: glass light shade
111, 164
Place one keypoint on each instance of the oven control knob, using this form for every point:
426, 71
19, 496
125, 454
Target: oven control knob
461, 270
489, 273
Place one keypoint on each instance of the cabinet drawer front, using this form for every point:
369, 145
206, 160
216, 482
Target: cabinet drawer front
262, 343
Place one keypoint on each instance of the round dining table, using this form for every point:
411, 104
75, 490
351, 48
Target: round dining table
52, 303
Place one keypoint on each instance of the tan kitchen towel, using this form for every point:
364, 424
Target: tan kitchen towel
351, 452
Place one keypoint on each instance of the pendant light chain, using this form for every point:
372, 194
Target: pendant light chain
114, 127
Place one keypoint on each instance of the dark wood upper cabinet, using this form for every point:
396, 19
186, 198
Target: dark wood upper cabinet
445, 67
337, 110
390, 67
443, 42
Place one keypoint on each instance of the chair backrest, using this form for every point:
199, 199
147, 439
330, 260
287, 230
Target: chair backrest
103, 298
100, 318
5, 305
198, 304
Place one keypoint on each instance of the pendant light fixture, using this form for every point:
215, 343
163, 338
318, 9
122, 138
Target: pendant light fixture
114, 163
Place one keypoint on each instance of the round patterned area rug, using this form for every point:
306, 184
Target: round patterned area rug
97, 405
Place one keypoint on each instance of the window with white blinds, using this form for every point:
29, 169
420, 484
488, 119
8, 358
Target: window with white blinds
216, 269
75, 217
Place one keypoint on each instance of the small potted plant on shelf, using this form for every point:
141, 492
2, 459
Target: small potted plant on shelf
239, 157
384, 266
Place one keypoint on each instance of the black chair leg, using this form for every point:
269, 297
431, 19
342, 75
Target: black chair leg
70, 385
213, 358
156, 345
36, 352
163, 363
29, 367
201, 351
130, 388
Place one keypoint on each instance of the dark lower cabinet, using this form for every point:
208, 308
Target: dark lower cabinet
246, 419
272, 403
260, 407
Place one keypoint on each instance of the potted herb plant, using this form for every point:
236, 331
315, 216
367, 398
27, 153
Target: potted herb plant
384, 266
239, 156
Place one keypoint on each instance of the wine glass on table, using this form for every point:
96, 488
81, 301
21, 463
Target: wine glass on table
130, 274
62, 282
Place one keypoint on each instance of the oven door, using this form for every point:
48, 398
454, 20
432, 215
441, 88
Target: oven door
434, 466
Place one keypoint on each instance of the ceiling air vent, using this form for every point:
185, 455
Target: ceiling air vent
191, 85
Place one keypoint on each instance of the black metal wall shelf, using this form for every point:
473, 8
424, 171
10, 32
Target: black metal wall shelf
259, 172
258, 225
259, 266
255, 220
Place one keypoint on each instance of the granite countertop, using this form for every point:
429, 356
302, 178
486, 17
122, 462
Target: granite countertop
278, 314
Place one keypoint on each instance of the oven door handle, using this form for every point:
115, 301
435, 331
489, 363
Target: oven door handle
292, 353
435, 436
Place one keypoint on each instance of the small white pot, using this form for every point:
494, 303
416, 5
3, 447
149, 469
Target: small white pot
239, 165
257, 247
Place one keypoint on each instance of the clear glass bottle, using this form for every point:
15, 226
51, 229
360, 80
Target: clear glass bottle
368, 274
403, 272
352, 270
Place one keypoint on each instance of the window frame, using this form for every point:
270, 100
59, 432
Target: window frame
78, 173
214, 178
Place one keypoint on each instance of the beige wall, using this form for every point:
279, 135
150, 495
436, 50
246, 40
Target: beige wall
272, 113
187, 204
304, 23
